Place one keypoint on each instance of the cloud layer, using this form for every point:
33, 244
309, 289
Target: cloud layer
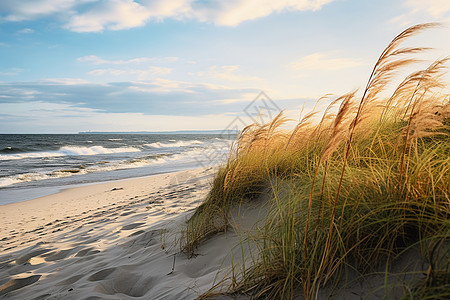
434, 8
71, 105
158, 96
419, 11
100, 15
323, 61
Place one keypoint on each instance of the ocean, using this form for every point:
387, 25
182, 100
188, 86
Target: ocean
35, 165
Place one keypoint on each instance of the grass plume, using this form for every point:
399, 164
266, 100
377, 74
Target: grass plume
353, 191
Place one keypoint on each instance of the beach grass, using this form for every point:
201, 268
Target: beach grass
350, 190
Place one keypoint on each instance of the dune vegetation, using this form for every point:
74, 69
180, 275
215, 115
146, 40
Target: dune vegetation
352, 187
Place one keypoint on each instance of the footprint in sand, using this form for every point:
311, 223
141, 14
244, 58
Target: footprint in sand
85, 240
70, 280
86, 252
126, 213
24, 258
131, 226
53, 256
18, 283
143, 239
136, 233
42, 297
100, 275
125, 282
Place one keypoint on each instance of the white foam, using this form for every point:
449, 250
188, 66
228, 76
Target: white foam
29, 155
212, 153
94, 150
174, 143
69, 150
8, 181
124, 165
120, 165
22, 178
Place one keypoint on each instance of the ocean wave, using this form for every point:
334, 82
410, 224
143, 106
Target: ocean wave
190, 154
11, 150
6, 181
174, 144
29, 155
100, 166
94, 150
69, 151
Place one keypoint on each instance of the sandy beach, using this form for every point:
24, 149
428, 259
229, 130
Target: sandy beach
115, 240
224, 150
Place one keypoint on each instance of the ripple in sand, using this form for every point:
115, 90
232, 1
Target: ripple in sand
100, 275
86, 252
24, 258
53, 256
70, 280
18, 283
132, 226
125, 282
37, 260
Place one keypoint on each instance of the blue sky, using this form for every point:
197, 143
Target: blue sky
124, 65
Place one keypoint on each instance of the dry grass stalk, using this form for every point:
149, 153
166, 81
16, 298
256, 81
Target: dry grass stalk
356, 206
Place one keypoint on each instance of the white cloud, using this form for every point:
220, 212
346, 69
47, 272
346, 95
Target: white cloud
26, 31
95, 60
124, 14
40, 116
162, 85
35, 106
141, 74
99, 61
435, 8
19, 10
227, 73
64, 81
321, 61
139, 122
234, 12
114, 15
244, 98
11, 72
419, 11
161, 9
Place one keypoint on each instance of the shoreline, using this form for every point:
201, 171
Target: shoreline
110, 240
52, 202
34, 192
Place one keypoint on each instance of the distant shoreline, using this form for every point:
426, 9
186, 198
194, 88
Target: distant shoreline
164, 132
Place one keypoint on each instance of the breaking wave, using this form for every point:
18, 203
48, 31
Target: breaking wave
174, 144
101, 167
68, 151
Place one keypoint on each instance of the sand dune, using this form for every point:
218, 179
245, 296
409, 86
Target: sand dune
120, 240
115, 240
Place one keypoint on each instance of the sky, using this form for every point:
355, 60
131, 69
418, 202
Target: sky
159, 65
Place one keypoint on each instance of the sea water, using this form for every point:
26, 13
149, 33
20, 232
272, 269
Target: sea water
34, 165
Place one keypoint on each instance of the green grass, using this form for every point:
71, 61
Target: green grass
351, 192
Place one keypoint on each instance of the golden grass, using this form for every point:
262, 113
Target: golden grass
366, 182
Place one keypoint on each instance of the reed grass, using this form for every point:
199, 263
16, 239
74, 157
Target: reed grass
354, 190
